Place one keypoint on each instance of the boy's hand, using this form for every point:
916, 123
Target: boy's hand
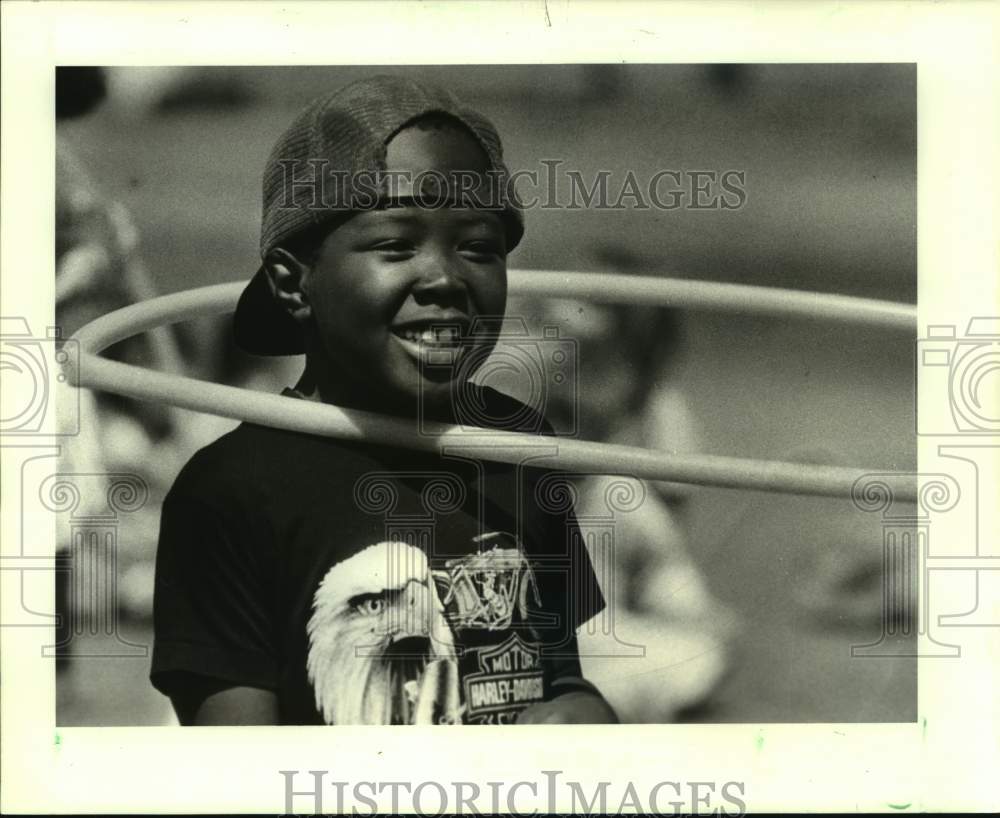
575, 707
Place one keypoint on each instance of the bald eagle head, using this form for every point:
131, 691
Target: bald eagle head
377, 636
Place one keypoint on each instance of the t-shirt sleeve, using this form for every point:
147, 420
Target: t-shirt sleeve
552, 495
585, 589
570, 591
571, 596
213, 600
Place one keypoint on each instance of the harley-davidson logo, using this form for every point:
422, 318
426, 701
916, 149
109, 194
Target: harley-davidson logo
510, 678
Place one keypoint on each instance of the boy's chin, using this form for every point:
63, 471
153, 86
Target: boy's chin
438, 398
415, 394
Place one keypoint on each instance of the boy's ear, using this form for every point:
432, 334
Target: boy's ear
286, 276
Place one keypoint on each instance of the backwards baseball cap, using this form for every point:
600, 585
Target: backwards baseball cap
331, 163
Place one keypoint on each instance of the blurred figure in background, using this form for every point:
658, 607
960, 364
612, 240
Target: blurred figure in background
98, 266
656, 595
98, 269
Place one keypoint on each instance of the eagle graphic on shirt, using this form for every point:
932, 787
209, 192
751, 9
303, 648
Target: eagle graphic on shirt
383, 630
377, 627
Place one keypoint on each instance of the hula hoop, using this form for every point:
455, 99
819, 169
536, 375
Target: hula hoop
88, 369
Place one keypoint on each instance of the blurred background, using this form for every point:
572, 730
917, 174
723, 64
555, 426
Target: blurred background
747, 604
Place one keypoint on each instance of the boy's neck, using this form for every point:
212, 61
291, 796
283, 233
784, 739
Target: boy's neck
323, 386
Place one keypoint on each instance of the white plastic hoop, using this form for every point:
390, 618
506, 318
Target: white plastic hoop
92, 371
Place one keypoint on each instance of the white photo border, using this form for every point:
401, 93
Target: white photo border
943, 761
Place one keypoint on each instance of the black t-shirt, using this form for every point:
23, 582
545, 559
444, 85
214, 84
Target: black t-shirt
364, 583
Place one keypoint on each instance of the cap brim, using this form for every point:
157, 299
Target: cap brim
260, 326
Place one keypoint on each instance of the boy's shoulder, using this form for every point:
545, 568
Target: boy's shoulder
251, 466
245, 462
224, 463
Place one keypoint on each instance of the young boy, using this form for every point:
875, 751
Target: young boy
307, 580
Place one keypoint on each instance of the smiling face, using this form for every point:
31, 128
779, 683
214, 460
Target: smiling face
394, 292
393, 295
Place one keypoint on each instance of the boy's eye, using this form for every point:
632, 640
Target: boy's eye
483, 248
393, 246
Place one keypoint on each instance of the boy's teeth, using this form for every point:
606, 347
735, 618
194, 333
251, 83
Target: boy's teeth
445, 335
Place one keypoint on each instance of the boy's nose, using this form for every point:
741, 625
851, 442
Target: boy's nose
440, 277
